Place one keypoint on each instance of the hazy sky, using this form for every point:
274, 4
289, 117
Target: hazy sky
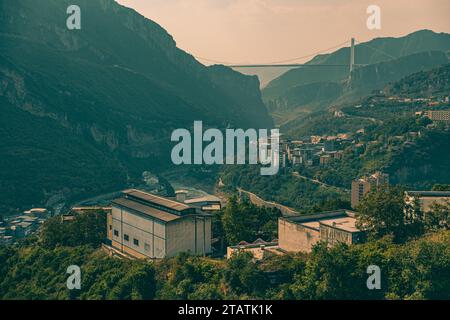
263, 31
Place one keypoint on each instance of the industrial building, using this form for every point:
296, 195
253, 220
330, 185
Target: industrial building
300, 234
144, 225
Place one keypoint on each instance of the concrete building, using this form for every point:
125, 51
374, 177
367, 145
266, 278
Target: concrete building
325, 159
300, 234
363, 185
143, 225
438, 115
426, 199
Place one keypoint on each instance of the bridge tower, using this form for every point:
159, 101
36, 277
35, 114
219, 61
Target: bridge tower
352, 57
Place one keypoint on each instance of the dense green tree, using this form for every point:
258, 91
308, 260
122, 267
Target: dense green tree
86, 229
244, 221
441, 187
382, 212
188, 277
243, 277
438, 217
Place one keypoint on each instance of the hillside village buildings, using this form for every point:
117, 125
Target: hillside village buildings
21, 226
143, 225
361, 186
314, 150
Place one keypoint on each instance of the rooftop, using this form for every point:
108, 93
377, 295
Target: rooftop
147, 210
209, 198
429, 193
345, 223
154, 206
148, 197
36, 210
339, 219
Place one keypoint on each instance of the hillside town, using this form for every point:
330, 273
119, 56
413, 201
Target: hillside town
159, 227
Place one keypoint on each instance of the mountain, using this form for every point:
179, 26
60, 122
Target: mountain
435, 82
384, 60
85, 111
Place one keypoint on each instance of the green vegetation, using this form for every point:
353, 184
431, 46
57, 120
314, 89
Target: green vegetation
441, 187
381, 213
414, 269
86, 229
416, 161
243, 221
287, 189
38, 273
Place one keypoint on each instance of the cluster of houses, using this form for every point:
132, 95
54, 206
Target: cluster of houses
18, 227
314, 150
433, 101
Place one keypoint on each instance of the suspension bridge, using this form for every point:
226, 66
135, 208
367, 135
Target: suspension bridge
351, 65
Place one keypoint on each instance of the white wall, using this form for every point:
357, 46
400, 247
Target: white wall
150, 233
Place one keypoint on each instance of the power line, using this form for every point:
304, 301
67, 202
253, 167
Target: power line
285, 63
274, 62
376, 49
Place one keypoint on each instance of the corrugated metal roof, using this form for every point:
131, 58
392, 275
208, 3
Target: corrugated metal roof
150, 211
208, 198
178, 206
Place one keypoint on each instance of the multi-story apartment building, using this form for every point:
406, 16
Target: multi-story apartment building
363, 185
438, 115
144, 225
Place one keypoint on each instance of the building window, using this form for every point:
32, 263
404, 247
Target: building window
136, 242
110, 227
116, 233
126, 237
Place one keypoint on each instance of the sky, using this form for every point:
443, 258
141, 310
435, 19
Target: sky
266, 31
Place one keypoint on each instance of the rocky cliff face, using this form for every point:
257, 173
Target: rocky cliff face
118, 86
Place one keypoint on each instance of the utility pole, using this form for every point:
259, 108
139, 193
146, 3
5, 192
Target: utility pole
352, 57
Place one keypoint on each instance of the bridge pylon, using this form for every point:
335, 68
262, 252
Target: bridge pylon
352, 58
